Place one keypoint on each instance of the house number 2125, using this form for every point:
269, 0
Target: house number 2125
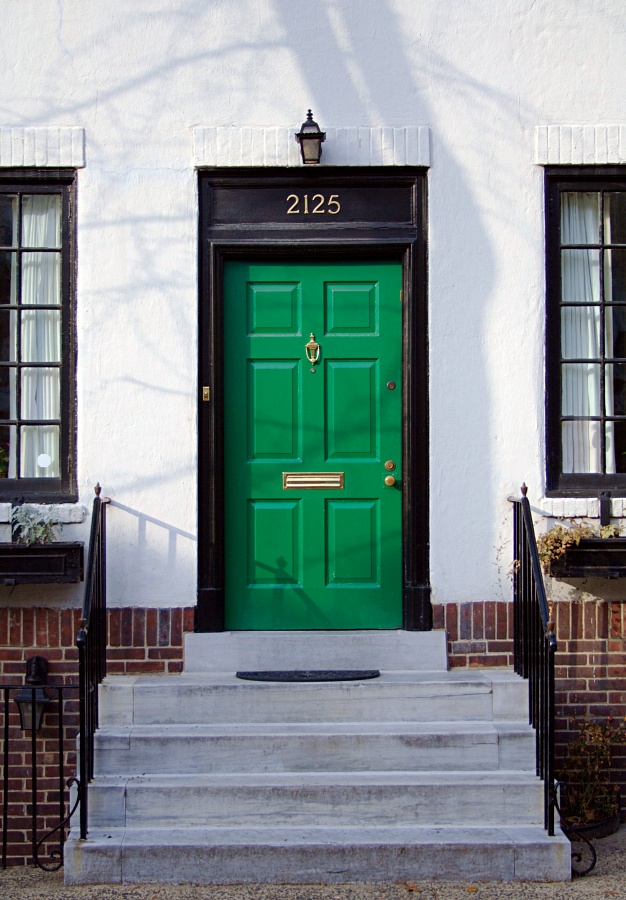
317, 204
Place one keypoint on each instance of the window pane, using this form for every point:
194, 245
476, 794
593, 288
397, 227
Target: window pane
615, 217
615, 276
8, 335
8, 220
581, 447
8, 278
7, 451
580, 389
7, 390
615, 332
615, 390
580, 276
619, 438
39, 446
41, 335
41, 278
580, 332
41, 221
40, 393
580, 218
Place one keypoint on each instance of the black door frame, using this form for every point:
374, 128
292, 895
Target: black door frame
235, 224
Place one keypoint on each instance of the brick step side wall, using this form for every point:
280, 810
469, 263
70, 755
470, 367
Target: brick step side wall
590, 665
141, 641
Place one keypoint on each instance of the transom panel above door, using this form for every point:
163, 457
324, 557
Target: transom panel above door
313, 445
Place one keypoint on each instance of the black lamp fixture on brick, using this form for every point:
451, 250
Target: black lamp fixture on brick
310, 139
32, 700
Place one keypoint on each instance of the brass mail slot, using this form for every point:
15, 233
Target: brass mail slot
313, 481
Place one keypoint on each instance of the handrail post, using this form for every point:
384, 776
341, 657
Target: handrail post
81, 643
534, 645
91, 642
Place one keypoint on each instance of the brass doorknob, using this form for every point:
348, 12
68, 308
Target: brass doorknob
390, 480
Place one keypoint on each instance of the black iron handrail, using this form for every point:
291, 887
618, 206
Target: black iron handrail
534, 645
92, 644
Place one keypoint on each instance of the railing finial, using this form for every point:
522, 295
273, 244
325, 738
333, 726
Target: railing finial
524, 489
97, 489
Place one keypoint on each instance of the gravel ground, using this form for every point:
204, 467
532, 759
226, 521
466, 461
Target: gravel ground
607, 880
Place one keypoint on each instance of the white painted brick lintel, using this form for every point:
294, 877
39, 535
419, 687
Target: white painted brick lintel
565, 145
344, 146
54, 146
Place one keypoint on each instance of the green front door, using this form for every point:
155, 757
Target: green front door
313, 531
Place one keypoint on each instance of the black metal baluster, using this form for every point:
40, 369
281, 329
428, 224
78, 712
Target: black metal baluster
5, 799
61, 786
33, 775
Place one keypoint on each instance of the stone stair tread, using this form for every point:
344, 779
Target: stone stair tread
402, 676
309, 854
360, 834
283, 650
504, 778
461, 730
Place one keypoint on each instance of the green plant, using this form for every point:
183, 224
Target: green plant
610, 531
590, 797
33, 526
553, 544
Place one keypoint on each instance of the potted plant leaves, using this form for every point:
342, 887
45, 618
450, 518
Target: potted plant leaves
34, 555
590, 804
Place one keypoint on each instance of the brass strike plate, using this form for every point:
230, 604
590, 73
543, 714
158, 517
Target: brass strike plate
206, 394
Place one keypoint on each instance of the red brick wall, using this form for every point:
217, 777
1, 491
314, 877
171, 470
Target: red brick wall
140, 641
479, 634
590, 669
590, 662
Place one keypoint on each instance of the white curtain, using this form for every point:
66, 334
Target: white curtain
580, 339
40, 336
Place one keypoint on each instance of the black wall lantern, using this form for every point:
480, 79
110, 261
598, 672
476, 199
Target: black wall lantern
310, 139
36, 675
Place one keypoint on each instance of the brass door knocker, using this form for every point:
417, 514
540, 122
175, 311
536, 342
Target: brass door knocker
312, 350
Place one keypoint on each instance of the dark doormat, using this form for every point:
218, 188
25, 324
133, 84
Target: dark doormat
311, 675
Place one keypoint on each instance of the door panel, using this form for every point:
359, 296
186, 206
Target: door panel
313, 533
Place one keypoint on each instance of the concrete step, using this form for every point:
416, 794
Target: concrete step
316, 855
419, 774
314, 747
318, 799
230, 651
395, 696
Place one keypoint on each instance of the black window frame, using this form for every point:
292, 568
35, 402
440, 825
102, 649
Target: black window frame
558, 180
63, 489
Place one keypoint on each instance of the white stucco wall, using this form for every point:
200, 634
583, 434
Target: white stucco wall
138, 77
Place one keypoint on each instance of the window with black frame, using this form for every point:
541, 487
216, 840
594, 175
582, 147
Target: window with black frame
36, 337
586, 372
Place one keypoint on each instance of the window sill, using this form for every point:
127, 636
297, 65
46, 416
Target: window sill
61, 562
593, 558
